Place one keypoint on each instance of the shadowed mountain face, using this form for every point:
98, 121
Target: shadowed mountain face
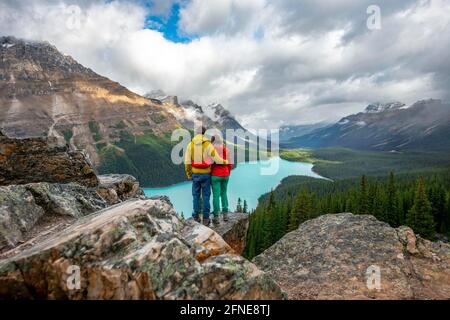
393, 126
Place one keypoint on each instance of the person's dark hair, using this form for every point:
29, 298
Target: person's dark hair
216, 139
200, 130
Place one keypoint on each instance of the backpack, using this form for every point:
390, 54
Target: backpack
206, 163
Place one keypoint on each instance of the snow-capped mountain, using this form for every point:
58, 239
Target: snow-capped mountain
393, 126
187, 112
382, 107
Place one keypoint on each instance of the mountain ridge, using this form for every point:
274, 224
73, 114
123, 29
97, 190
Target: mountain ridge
393, 126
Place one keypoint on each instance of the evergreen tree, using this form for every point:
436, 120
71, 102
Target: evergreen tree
437, 196
245, 208
301, 210
391, 203
446, 221
239, 206
363, 199
379, 205
420, 216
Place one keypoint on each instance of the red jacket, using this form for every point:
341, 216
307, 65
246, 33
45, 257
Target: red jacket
221, 170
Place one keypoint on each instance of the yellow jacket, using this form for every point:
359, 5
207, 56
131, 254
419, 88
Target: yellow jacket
198, 149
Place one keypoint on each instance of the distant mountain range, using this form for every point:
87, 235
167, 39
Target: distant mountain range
425, 125
46, 93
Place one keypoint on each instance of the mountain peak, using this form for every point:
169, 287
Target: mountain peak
381, 107
162, 96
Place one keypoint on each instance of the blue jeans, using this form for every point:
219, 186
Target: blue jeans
201, 187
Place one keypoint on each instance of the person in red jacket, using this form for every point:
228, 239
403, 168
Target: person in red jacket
220, 174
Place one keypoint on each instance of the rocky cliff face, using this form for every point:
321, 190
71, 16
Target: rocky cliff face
136, 250
234, 231
42, 160
329, 258
44, 92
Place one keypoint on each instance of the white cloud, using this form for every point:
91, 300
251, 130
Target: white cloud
269, 62
220, 16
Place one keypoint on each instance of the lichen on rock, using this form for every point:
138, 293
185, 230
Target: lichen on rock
139, 249
330, 257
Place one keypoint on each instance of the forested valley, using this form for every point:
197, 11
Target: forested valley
420, 201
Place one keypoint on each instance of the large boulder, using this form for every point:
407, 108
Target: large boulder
32, 160
346, 256
234, 231
115, 188
139, 249
25, 209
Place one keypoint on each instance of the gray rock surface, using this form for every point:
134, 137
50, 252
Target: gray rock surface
115, 188
24, 207
139, 249
329, 257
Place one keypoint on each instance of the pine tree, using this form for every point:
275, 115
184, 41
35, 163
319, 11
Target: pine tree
437, 198
239, 208
363, 199
379, 205
301, 210
245, 208
182, 215
447, 215
391, 203
420, 216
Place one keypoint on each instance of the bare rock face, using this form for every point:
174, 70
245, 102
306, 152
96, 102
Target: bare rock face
31, 160
139, 249
337, 256
234, 231
25, 208
115, 188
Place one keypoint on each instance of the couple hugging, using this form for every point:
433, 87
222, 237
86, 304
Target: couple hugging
208, 166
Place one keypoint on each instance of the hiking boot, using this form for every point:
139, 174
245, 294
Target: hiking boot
197, 218
225, 216
216, 220
206, 222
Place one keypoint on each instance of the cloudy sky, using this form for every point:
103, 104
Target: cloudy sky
270, 62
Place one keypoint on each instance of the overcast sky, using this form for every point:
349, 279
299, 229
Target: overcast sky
270, 62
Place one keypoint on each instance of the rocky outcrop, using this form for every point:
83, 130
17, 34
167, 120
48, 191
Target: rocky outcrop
234, 231
339, 256
31, 160
26, 209
139, 249
115, 188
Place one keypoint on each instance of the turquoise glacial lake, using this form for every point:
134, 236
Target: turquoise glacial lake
247, 182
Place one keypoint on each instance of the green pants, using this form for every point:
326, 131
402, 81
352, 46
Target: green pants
219, 188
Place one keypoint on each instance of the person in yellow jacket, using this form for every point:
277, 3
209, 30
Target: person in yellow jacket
200, 155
